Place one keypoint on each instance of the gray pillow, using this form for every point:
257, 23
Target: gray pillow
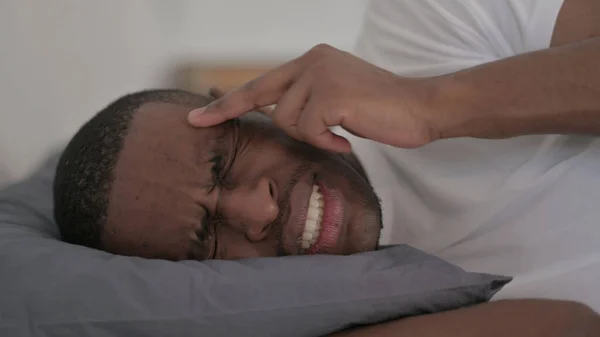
50, 288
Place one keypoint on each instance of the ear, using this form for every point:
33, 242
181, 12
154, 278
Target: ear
216, 93
355, 164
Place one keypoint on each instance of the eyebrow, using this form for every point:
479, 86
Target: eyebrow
219, 142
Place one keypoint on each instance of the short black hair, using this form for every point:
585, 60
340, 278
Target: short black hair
85, 171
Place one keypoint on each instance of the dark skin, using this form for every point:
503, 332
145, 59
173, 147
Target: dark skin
237, 190
556, 90
511, 318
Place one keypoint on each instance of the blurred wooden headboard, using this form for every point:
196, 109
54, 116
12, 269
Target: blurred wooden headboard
201, 77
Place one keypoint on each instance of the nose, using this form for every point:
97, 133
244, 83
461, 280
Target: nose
252, 208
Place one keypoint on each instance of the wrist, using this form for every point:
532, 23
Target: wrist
423, 111
451, 109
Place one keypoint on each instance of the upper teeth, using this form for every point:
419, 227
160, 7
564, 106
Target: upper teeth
312, 227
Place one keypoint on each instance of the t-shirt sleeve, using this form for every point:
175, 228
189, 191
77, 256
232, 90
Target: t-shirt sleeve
433, 37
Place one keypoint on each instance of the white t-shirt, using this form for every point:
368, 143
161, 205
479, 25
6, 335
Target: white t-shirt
528, 207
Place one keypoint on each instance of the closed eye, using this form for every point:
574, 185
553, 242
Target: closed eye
218, 171
206, 238
212, 222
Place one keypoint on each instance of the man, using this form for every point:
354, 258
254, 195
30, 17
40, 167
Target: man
498, 103
138, 180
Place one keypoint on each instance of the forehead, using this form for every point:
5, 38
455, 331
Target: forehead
152, 202
162, 146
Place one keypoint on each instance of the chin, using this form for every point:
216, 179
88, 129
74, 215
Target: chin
364, 236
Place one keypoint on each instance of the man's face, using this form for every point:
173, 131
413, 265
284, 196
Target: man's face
239, 190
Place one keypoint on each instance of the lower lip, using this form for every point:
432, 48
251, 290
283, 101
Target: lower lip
331, 224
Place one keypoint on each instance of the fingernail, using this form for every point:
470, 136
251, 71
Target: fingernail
194, 114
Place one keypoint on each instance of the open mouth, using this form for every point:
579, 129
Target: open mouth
314, 218
323, 223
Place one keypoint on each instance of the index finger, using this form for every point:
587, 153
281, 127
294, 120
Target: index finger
217, 93
265, 90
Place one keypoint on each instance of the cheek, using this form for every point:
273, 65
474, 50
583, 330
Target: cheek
277, 142
148, 246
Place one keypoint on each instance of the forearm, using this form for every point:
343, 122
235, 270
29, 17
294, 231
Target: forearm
556, 90
517, 318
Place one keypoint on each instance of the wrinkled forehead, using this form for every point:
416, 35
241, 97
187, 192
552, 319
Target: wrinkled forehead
162, 144
161, 140
164, 126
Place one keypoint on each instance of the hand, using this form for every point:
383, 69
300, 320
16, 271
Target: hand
325, 88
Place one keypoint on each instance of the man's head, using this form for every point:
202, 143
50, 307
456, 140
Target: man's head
138, 180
